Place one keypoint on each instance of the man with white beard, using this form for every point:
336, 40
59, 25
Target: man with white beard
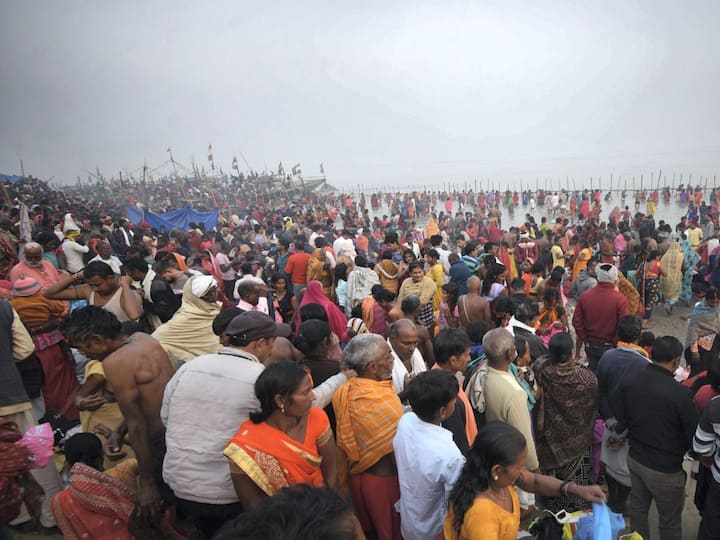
34, 266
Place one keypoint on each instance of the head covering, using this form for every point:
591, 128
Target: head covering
254, 325
336, 318
202, 284
356, 326
26, 286
607, 273
69, 224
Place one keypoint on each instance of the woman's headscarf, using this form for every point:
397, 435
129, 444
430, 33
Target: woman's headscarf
336, 318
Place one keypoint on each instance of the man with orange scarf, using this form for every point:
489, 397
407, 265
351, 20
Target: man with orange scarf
367, 412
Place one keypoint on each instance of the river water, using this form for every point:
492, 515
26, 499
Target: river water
670, 212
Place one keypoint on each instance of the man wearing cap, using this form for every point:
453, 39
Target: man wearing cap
597, 313
215, 393
35, 267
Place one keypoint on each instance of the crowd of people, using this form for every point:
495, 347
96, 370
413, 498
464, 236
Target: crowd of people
312, 367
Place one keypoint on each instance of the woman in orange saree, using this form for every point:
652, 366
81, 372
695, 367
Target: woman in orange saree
286, 442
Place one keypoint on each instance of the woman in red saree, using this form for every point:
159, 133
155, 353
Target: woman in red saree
286, 442
99, 504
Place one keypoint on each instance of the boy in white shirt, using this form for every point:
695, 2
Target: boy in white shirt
428, 461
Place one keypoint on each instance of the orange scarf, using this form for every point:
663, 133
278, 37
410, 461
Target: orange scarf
273, 460
367, 413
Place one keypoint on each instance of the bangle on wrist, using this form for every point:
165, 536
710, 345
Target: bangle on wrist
564, 487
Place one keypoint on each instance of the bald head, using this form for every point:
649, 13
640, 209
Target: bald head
403, 338
32, 246
473, 284
33, 254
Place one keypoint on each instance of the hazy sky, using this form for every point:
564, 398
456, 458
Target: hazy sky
384, 93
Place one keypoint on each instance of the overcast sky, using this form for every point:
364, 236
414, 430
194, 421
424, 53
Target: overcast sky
384, 93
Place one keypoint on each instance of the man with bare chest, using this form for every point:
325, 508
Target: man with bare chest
138, 369
471, 306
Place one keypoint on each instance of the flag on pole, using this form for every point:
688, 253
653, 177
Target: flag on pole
235, 164
210, 156
281, 170
322, 169
296, 170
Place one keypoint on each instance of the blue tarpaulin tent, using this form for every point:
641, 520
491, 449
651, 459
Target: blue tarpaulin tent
10, 178
180, 218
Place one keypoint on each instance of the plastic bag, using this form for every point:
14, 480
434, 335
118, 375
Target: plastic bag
39, 442
602, 524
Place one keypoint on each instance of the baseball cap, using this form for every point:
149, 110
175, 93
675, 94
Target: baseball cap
254, 325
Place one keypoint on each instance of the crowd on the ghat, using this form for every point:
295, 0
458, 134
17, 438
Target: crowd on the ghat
311, 368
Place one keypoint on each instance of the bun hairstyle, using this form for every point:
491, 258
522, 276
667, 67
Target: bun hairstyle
497, 443
312, 334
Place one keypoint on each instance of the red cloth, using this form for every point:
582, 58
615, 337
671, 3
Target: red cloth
60, 381
96, 505
14, 460
336, 318
597, 313
703, 397
374, 499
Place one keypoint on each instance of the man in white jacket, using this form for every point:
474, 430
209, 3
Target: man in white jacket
215, 393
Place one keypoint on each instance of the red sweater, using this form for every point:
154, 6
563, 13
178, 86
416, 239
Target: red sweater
597, 313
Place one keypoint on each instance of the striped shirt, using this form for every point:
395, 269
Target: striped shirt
707, 436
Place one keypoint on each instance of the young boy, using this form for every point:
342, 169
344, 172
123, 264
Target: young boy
428, 461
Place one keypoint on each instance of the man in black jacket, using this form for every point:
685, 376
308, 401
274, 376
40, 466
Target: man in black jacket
661, 418
159, 301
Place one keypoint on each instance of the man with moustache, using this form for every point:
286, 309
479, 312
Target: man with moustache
34, 266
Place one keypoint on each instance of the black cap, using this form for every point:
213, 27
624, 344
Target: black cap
255, 325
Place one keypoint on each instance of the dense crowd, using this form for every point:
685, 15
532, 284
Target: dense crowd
396, 365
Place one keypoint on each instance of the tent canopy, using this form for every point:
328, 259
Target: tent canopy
180, 218
10, 178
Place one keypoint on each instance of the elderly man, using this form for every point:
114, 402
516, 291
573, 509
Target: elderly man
34, 266
251, 294
368, 410
217, 391
505, 400
105, 254
407, 360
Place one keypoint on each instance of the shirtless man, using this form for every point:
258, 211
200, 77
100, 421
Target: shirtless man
138, 369
471, 306
408, 310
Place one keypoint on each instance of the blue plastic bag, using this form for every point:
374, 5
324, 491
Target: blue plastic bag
602, 524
